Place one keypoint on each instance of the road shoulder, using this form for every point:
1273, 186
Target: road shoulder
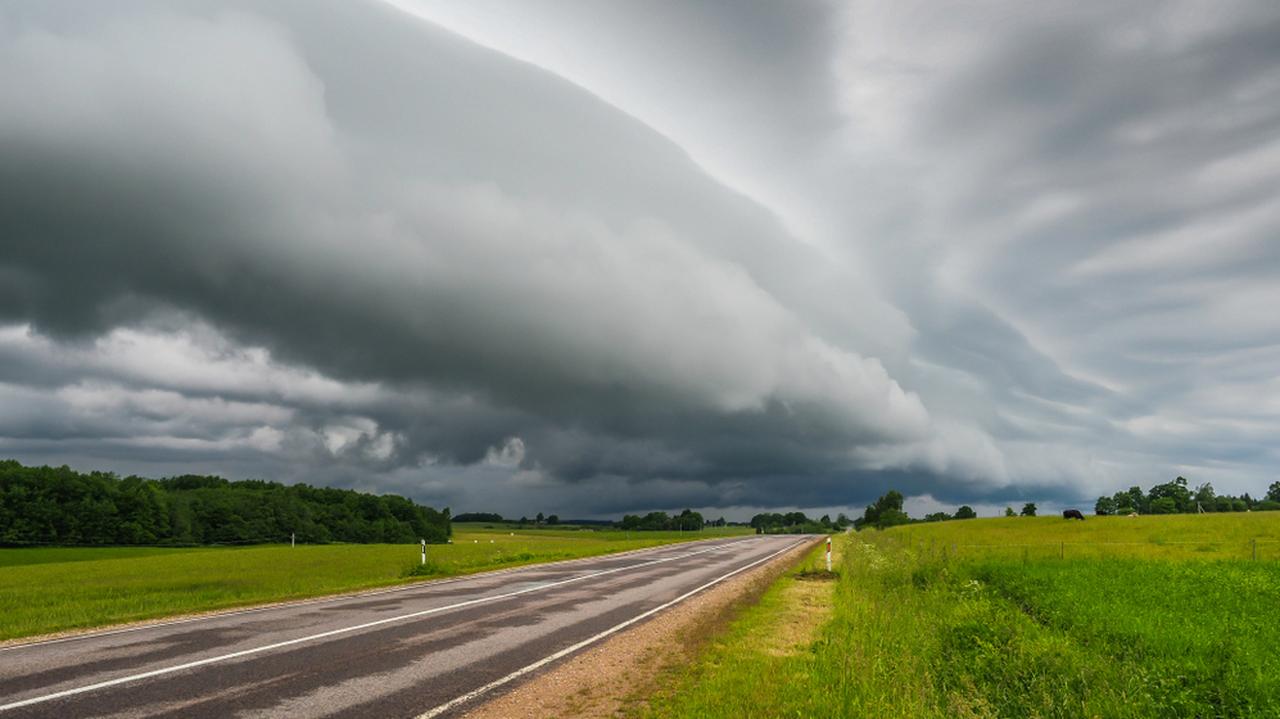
606, 679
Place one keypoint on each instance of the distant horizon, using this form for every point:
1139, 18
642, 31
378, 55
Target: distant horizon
916, 507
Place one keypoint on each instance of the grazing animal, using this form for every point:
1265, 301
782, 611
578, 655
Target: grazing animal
1072, 514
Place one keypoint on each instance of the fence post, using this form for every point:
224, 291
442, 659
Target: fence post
424, 552
293, 539
828, 554
1255, 549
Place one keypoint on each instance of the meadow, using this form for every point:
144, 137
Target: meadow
1160, 616
45, 590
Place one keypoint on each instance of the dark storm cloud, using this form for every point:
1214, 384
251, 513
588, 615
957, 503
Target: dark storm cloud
791, 260
461, 223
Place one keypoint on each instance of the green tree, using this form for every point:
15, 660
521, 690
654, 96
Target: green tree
1164, 505
1176, 491
795, 519
1131, 501
1273, 492
1205, 498
886, 512
1008, 512
1029, 509
966, 512
1104, 506
689, 520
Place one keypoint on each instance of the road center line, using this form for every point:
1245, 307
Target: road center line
344, 630
463, 699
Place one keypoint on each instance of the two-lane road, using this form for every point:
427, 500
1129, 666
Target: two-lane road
428, 648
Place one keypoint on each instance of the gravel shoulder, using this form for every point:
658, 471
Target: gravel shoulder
613, 678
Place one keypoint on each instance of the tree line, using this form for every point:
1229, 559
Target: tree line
495, 518
688, 521
1177, 498
1169, 498
58, 505
887, 512
796, 523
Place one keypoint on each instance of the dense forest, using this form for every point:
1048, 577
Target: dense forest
57, 505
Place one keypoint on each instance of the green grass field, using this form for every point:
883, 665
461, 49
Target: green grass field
54, 589
982, 618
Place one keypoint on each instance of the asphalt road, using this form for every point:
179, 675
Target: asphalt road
428, 649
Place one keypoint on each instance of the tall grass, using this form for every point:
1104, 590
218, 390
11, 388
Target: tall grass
1177, 537
1159, 629
53, 589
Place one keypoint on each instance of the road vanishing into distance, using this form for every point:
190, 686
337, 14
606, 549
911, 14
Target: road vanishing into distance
430, 649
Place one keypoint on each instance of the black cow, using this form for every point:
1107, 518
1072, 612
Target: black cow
1072, 514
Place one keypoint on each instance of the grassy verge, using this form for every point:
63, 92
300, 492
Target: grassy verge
762, 662
1164, 628
55, 589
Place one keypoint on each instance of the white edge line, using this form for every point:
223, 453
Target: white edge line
334, 632
359, 594
463, 699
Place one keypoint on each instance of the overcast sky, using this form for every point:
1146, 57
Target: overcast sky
606, 257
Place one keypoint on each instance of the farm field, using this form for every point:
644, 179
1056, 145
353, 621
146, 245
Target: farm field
1175, 620
44, 590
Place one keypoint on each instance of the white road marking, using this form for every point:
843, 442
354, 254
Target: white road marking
288, 604
463, 699
335, 632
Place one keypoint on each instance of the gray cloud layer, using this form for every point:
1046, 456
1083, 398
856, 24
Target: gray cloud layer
795, 258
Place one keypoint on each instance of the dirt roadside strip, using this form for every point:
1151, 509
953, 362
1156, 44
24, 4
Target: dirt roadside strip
606, 679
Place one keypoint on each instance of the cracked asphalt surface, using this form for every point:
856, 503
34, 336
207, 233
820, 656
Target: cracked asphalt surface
392, 653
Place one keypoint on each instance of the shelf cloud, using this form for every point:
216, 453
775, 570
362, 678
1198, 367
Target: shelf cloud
632, 256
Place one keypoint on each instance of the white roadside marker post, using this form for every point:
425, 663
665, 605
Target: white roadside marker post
828, 554
293, 539
424, 552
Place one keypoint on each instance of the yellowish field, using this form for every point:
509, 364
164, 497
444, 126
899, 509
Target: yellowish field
54, 589
1170, 536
